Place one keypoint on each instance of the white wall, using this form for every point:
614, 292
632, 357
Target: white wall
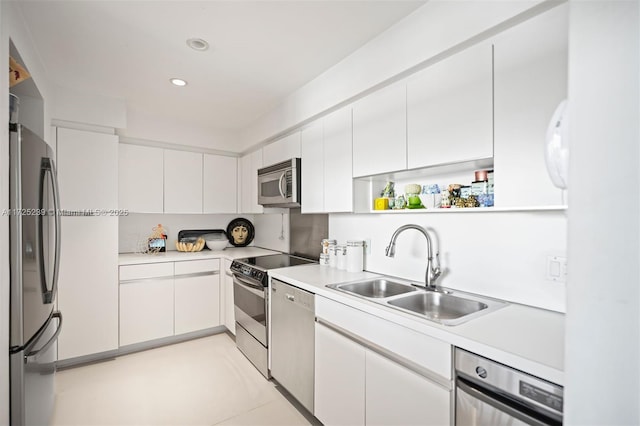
603, 311
80, 107
498, 254
431, 29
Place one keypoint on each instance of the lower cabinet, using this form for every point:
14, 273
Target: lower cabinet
391, 376
339, 385
146, 310
166, 299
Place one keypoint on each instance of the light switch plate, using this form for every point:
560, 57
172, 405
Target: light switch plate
556, 269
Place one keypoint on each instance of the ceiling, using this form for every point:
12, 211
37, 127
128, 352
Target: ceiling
260, 51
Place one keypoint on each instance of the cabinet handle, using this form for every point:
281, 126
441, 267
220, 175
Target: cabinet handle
290, 297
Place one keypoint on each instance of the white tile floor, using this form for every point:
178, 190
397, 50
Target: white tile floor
200, 382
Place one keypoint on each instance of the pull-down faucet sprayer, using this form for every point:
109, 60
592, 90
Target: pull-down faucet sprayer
433, 268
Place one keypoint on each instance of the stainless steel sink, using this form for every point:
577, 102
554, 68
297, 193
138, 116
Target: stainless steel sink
376, 288
438, 306
441, 305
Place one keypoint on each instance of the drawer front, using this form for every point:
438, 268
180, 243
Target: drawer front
148, 270
425, 351
197, 266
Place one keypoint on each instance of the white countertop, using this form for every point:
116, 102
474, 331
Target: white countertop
523, 337
178, 256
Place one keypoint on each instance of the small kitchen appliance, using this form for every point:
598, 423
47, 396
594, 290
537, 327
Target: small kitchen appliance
279, 185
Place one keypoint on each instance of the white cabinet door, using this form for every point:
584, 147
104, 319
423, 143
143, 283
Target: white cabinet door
380, 131
87, 169
88, 286
146, 310
282, 150
197, 303
226, 292
339, 379
338, 165
182, 182
220, 185
450, 109
530, 81
140, 179
398, 396
313, 169
249, 165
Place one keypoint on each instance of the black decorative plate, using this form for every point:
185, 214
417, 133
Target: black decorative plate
240, 232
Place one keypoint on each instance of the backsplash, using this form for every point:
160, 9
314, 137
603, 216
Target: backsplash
496, 254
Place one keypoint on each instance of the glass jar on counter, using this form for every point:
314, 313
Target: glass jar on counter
333, 256
326, 243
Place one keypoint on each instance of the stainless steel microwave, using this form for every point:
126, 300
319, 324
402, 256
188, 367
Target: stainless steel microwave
279, 184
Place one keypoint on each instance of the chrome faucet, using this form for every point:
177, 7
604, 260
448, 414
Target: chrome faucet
433, 271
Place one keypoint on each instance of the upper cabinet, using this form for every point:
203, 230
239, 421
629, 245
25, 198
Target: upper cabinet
182, 182
249, 165
530, 81
327, 184
140, 179
281, 150
450, 110
380, 131
85, 162
220, 185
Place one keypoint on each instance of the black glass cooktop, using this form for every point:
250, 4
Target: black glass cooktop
273, 261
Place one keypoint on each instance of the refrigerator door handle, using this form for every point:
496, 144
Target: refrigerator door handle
46, 166
31, 353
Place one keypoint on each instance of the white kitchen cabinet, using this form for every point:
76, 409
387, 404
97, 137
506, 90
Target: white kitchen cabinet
380, 131
87, 166
313, 168
182, 182
249, 165
227, 312
197, 295
396, 395
531, 69
141, 179
88, 286
339, 388
220, 184
450, 110
146, 310
372, 371
327, 184
146, 302
88, 292
281, 150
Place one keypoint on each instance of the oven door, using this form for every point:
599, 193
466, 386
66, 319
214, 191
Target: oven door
250, 306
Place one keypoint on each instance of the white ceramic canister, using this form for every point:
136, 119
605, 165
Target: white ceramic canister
341, 254
333, 256
355, 255
324, 259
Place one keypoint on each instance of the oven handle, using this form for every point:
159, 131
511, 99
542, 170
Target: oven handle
498, 405
258, 291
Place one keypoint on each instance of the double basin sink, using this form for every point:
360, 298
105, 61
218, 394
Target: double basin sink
440, 305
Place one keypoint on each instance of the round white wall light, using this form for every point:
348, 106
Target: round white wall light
178, 82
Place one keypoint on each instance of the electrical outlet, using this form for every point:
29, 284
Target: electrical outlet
556, 269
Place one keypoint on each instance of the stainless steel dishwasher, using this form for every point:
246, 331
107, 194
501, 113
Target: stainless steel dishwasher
489, 393
292, 340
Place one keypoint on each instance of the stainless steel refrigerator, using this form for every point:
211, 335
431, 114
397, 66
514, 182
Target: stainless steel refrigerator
35, 259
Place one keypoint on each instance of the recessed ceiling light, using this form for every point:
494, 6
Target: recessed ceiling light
198, 44
178, 81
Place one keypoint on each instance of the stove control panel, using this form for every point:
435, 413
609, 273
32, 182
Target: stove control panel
249, 272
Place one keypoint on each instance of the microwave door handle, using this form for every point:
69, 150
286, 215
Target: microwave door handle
282, 177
